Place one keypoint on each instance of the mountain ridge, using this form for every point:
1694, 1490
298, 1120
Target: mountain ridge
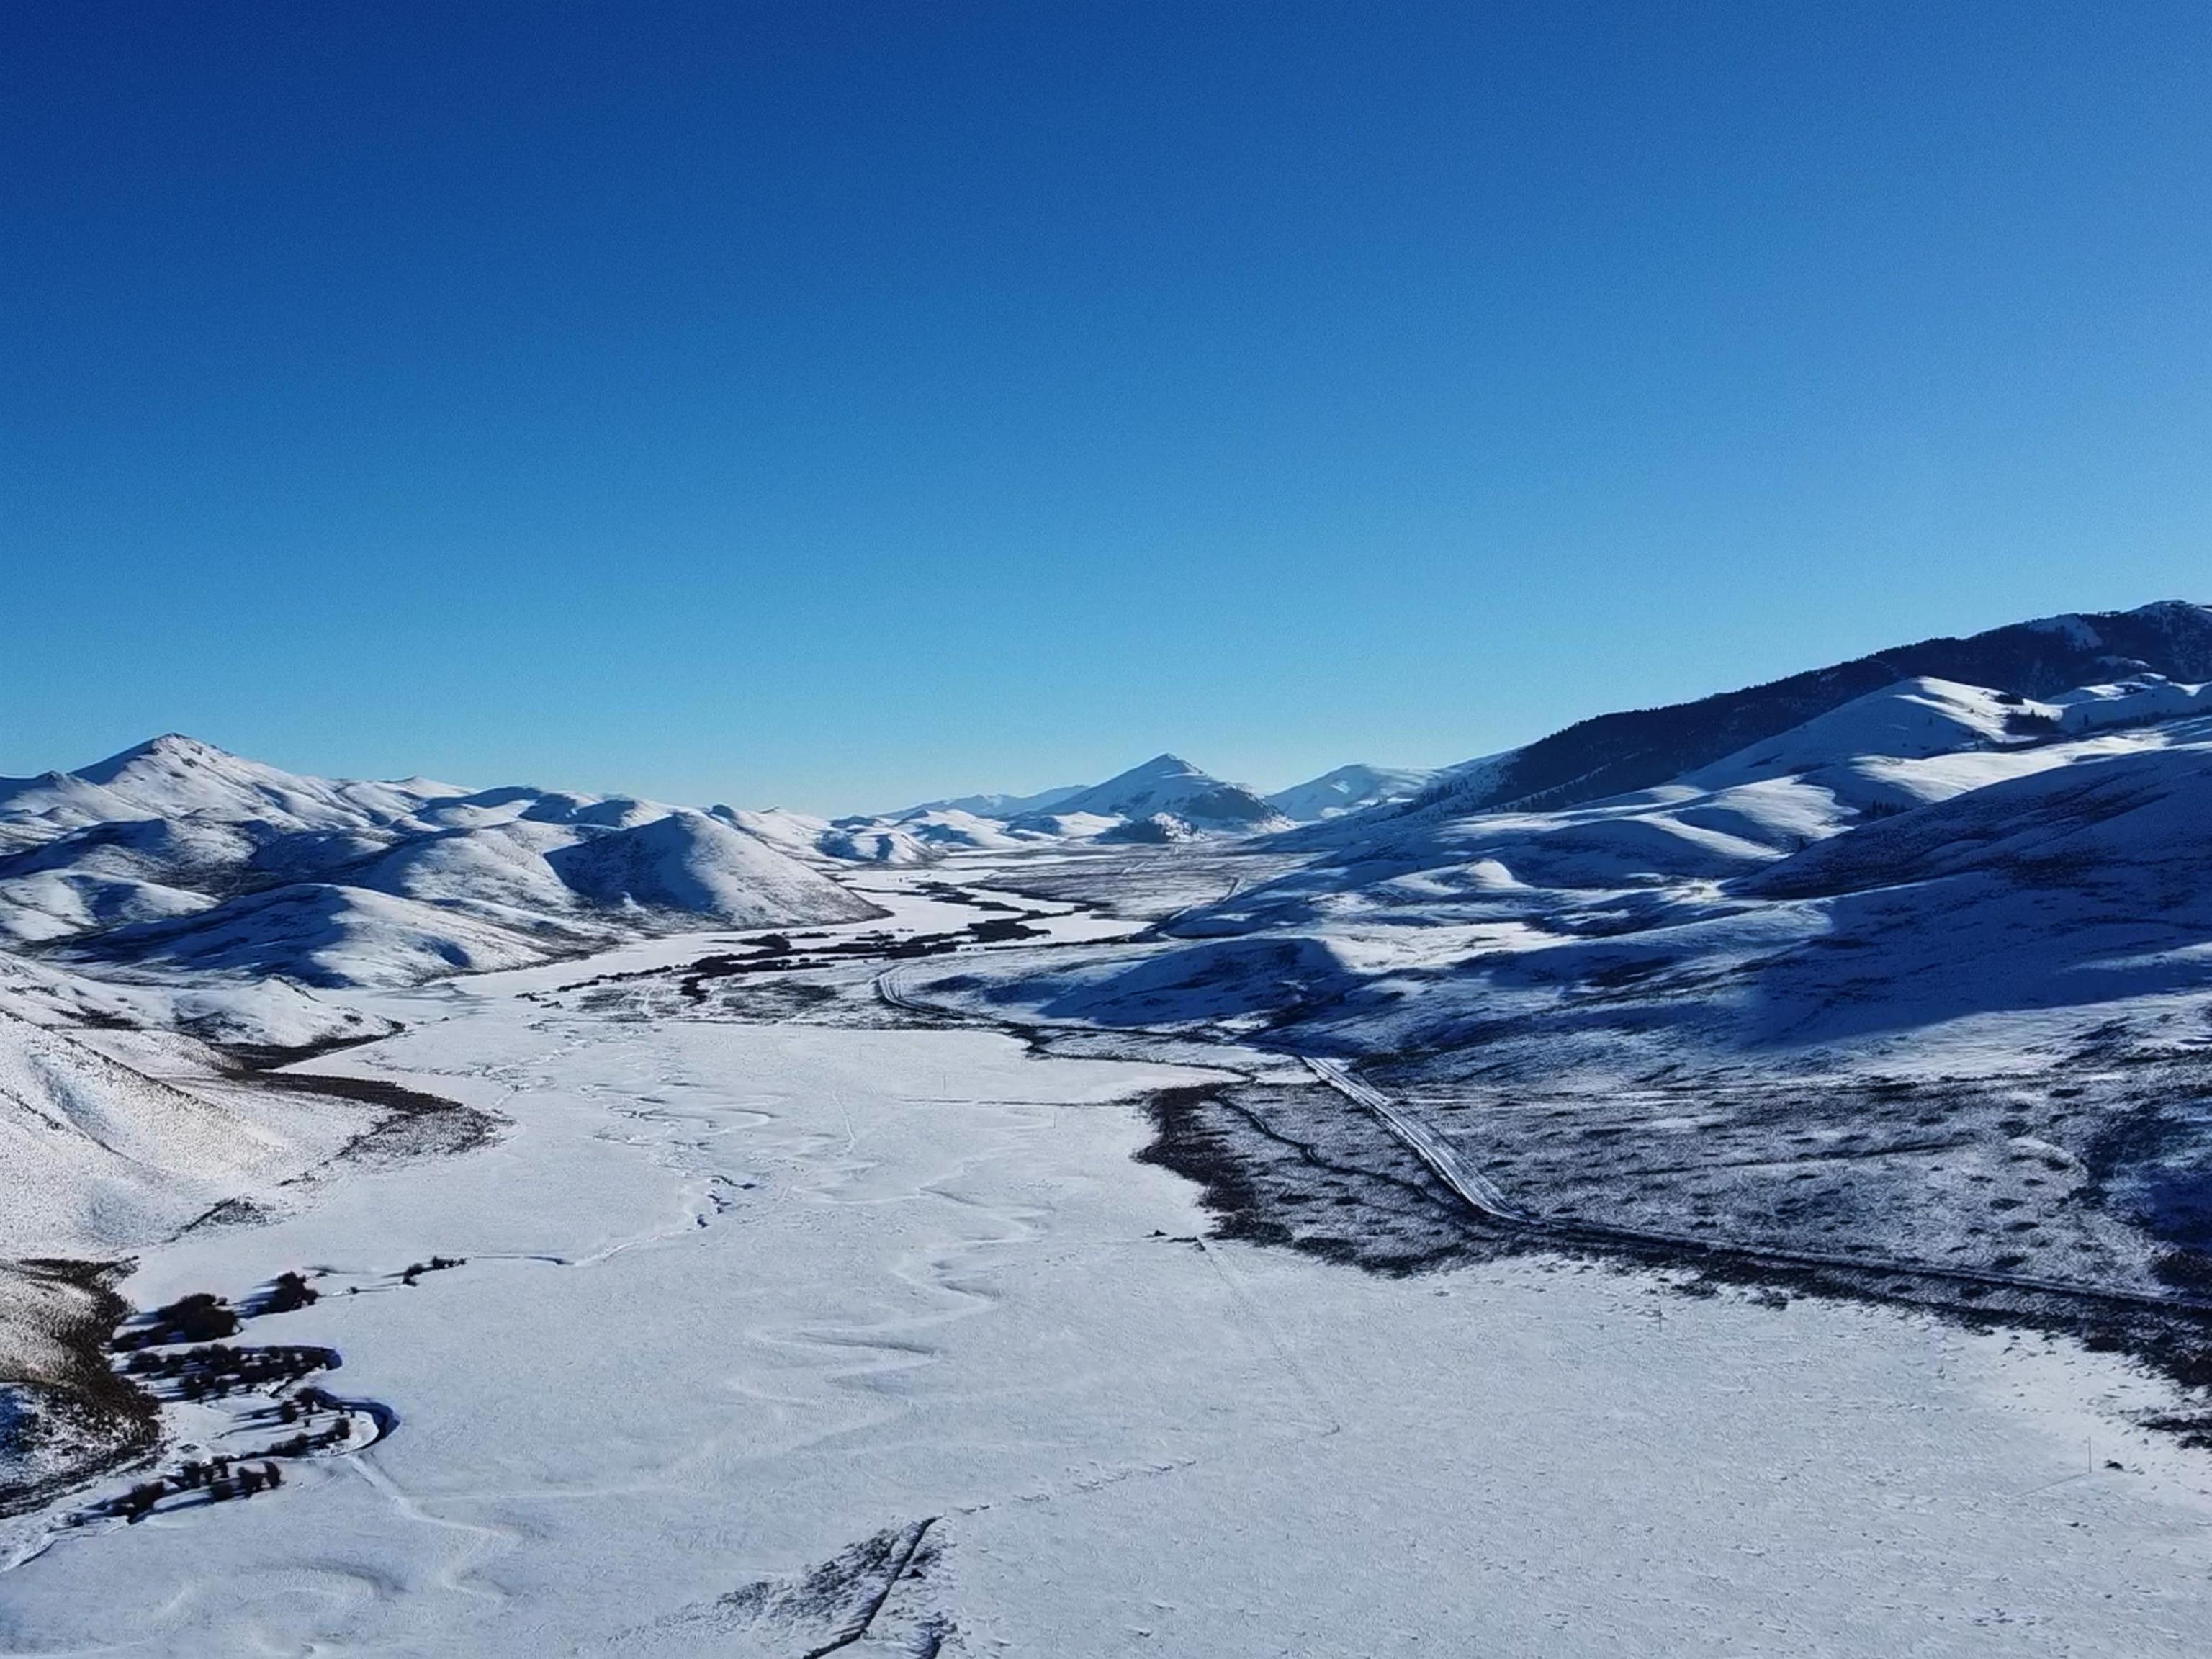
175, 852
1350, 789
1609, 754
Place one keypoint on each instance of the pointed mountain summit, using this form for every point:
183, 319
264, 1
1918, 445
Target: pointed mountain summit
174, 777
170, 749
1169, 786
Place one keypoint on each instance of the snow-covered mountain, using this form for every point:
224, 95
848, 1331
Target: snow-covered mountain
96, 1155
1349, 789
1638, 749
175, 777
1166, 787
1911, 744
2062, 832
1923, 974
917, 835
1166, 799
996, 807
178, 854
1906, 787
950, 829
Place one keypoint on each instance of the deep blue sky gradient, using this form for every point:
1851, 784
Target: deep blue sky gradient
832, 404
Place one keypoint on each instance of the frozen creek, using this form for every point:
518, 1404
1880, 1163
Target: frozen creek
745, 1306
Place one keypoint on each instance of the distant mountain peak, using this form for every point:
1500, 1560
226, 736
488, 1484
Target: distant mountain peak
1169, 784
174, 746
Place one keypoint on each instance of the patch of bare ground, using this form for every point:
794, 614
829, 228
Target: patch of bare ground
876, 1593
1286, 1164
66, 1417
411, 1123
1298, 1168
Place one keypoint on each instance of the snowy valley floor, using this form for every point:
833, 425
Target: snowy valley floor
766, 1336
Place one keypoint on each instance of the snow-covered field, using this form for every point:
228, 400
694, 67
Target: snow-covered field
1725, 1179
742, 1306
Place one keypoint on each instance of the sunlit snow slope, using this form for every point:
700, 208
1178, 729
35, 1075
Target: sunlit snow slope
176, 854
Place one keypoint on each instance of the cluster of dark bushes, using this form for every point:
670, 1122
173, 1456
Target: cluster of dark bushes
220, 1479
304, 1406
436, 1264
781, 953
282, 1294
217, 1370
998, 929
153, 1357
946, 890
777, 955
196, 1318
309, 1442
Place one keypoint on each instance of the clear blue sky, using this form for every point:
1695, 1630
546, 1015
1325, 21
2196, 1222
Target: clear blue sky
832, 404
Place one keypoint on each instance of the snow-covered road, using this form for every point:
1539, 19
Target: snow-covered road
745, 1305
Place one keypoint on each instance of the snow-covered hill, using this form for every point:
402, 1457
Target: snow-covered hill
1925, 976
695, 865
173, 776
996, 806
952, 829
799, 834
1348, 789
1167, 787
263, 1012
97, 1157
1638, 749
1925, 849
177, 853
